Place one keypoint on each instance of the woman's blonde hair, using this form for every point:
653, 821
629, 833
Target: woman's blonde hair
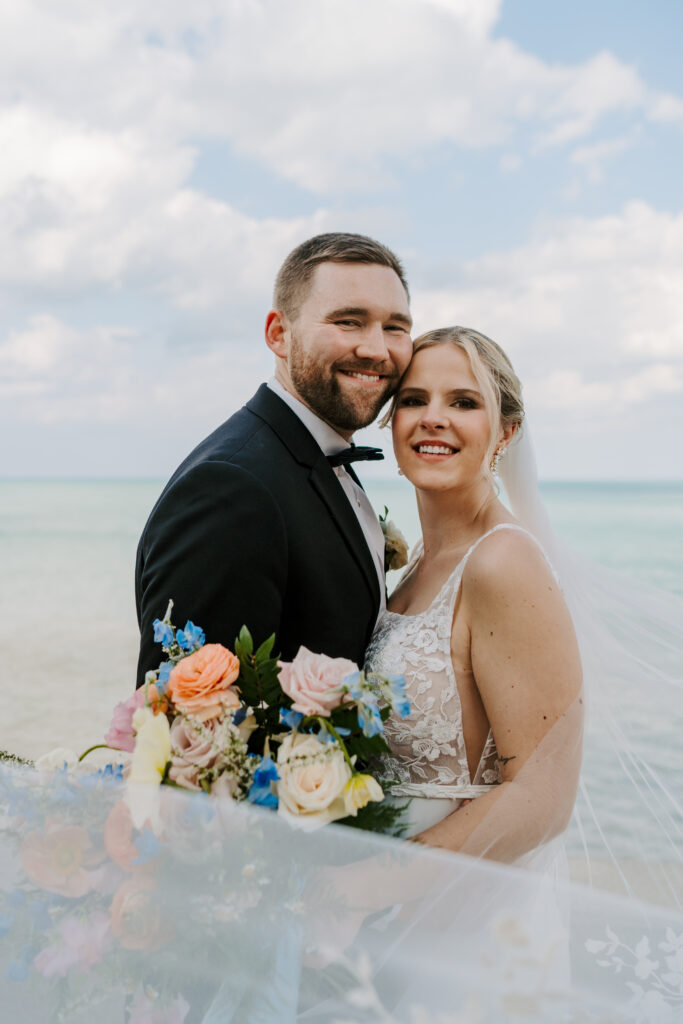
499, 384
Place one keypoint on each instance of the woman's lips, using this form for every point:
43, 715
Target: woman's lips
434, 451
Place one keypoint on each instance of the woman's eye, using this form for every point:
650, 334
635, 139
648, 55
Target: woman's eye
410, 400
465, 403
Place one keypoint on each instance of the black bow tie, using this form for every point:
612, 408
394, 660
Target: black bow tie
356, 453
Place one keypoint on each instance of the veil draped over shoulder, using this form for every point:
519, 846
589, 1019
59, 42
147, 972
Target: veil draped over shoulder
224, 912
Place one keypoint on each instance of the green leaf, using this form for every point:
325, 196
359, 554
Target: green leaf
263, 653
244, 645
383, 816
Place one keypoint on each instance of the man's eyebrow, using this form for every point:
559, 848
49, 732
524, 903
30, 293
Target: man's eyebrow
362, 311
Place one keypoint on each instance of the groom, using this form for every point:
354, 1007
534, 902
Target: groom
265, 523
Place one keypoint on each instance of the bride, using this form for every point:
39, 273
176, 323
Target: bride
478, 624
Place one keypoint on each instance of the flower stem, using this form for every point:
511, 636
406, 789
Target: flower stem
331, 729
97, 746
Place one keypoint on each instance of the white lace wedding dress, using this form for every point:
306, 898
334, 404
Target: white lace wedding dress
428, 755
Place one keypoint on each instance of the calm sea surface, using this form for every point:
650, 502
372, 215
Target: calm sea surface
67, 613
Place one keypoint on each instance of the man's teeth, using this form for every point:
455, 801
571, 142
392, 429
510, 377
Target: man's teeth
436, 449
363, 376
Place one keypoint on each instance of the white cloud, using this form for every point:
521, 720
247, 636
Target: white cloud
53, 373
566, 390
602, 287
592, 158
327, 100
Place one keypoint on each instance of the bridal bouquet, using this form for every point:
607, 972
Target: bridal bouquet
297, 737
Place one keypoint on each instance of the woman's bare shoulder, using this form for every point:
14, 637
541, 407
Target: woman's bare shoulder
508, 562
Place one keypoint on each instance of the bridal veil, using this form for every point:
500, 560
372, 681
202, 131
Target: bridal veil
224, 912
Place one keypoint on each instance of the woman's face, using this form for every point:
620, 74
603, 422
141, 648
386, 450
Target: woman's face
440, 428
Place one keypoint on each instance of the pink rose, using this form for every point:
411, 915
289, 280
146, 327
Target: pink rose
191, 752
121, 735
313, 681
82, 942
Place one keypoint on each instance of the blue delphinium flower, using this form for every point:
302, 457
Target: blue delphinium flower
147, 845
200, 809
163, 633
191, 638
326, 737
260, 792
399, 699
352, 683
292, 719
20, 968
370, 720
161, 682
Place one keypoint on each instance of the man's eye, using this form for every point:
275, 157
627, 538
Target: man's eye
396, 328
347, 323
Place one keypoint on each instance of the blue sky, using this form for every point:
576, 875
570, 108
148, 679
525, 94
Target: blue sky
158, 164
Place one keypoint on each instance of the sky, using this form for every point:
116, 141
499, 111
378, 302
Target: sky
160, 160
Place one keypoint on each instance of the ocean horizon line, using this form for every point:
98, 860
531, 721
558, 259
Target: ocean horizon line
543, 481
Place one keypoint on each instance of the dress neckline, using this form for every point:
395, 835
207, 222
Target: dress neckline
459, 568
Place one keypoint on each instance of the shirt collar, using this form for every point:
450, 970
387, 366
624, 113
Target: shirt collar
327, 437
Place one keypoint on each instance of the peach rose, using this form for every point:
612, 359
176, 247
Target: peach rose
135, 916
60, 859
200, 684
313, 681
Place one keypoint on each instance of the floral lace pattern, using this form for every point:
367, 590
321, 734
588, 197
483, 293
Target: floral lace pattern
428, 749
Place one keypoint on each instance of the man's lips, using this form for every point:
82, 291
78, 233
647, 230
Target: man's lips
364, 376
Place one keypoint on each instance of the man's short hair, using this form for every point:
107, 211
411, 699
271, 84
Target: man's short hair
293, 280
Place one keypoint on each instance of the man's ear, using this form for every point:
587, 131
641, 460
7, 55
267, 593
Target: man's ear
277, 333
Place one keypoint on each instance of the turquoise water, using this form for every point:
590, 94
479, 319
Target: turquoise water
67, 551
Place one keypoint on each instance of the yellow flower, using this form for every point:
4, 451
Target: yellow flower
151, 755
359, 791
152, 746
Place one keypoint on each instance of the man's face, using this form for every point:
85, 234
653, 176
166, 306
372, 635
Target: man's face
349, 344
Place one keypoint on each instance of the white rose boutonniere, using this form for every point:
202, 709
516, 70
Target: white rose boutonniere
395, 544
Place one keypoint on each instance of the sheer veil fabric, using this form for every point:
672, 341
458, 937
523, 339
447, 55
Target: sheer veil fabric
631, 641
225, 913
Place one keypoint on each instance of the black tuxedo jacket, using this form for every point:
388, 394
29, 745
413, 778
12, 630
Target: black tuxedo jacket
255, 529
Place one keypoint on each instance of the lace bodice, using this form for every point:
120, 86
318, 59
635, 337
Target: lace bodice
428, 754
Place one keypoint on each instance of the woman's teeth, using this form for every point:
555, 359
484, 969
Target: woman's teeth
435, 449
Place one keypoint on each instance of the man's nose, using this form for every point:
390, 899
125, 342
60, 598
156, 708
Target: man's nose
373, 344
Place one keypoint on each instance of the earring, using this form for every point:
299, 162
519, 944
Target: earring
401, 473
497, 456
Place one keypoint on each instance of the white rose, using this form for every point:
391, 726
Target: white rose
313, 776
56, 759
395, 546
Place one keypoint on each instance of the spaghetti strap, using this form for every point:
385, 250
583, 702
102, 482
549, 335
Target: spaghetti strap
506, 526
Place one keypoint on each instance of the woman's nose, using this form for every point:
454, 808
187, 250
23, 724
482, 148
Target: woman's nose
433, 416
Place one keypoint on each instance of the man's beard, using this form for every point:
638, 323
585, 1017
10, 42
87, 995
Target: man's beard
320, 389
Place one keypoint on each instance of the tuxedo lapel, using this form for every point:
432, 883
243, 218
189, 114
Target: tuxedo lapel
324, 480
305, 449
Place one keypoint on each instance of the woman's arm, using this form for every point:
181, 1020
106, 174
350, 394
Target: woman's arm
527, 669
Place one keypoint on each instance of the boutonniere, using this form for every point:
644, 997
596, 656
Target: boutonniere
395, 544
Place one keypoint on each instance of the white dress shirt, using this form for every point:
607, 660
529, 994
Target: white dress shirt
331, 442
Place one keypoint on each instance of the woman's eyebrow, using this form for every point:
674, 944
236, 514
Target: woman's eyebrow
470, 392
